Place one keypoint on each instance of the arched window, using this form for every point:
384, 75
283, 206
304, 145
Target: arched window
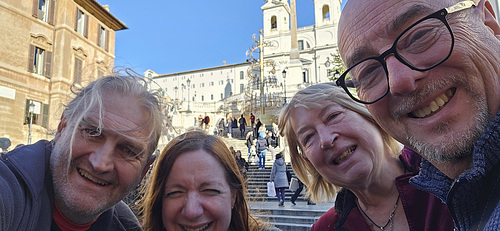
274, 23
326, 12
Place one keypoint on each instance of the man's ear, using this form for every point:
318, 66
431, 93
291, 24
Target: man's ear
149, 162
489, 18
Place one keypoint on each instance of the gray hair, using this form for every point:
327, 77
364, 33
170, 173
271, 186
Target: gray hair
91, 96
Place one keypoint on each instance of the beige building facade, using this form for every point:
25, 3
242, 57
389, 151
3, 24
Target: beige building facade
46, 46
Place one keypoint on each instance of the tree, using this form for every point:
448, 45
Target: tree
337, 66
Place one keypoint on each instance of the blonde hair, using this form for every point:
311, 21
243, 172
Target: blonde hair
318, 188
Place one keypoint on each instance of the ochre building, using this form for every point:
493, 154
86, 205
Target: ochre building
46, 46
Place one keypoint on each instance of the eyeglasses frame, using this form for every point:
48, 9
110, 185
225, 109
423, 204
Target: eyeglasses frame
441, 15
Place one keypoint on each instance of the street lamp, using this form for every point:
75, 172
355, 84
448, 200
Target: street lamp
284, 80
31, 110
189, 90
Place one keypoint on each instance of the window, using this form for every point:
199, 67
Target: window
274, 23
305, 76
40, 113
221, 96
221, 82
326, 12
242, 88
44, 10
301, 45
40, 61
202, 84
242, 75
211, 83
77, 73
81, 23
202, 98
103, 38
212, 97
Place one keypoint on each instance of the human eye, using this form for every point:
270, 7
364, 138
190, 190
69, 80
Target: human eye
173, 194
91, 132
306, 139
130, 151
421, 37
368, 73
212, 191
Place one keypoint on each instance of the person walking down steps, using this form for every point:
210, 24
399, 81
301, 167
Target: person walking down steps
278, 175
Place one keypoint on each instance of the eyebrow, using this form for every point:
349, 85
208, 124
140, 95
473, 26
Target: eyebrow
124, 140
402, 20
396, 25
320, 114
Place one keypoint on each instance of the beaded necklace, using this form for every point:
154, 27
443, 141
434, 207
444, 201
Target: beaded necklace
388, 221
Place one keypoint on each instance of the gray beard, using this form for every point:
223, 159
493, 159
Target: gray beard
459, 147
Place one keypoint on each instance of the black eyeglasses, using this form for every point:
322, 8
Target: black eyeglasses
422, 46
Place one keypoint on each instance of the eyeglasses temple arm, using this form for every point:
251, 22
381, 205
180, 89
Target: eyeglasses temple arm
462, 6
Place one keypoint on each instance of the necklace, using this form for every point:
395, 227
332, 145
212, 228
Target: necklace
388, 221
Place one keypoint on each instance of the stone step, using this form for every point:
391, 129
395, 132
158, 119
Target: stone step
288, 210
292, 227
289, 219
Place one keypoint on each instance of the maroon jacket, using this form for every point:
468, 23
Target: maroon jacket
423, 211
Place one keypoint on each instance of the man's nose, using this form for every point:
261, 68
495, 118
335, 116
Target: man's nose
101, 158
402, 79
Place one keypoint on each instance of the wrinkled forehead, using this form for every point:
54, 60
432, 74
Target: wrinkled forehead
369, 27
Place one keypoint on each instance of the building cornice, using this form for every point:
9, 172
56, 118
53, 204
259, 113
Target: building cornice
102, 14
204, 69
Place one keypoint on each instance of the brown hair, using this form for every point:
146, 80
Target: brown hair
151, 204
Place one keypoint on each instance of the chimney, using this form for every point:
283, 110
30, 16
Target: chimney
224, 63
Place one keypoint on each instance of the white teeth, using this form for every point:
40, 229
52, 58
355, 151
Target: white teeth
344, 155
91, 178
435, 105
197, 229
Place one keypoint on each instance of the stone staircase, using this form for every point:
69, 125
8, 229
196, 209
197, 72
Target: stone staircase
290, 217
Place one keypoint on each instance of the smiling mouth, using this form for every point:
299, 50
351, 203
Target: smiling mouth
434, 106
197, 229
91, 178
344, 155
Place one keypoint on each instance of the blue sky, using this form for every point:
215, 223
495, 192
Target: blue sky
170, 36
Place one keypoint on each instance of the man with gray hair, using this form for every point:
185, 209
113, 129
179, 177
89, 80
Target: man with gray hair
101, 151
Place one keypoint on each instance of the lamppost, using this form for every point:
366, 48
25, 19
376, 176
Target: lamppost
284, 85
189, 90
31, 110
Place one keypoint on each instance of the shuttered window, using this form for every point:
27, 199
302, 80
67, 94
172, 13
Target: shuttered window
40, 113
40, 61
44, 10
81, 22
102, 37
77, 73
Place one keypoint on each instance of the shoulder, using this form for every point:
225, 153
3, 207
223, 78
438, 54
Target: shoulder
23, 172
122, 219
410, 159
326, 221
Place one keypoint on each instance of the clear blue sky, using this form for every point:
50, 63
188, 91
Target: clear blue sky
170, 36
